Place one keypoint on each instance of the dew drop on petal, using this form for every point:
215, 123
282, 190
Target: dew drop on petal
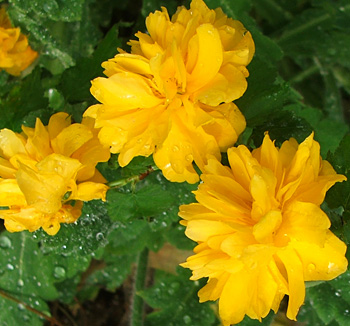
311, 267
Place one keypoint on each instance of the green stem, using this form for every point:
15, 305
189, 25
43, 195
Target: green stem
139, 284
309, 24
304, 74
52, 320
133, 178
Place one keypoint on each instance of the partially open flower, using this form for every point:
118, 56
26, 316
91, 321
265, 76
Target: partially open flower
260, 230
47, 172
15, 53
172, 96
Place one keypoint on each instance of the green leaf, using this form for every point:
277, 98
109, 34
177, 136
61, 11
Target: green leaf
13, 313
23, 98
331, 300
123, 206
124, 203
62, 10
281, 126
341, 164
26, 275
75, 82
83, 237
253, 322
62, 33
175, 300
137, 166
232, 9
149, 6
328, 132
274, 12
267, 93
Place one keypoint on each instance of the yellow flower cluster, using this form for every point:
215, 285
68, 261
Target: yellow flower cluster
46, 173
259, 227
15, 53
172, 95
260, 230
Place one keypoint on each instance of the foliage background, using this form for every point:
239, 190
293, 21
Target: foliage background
85, 275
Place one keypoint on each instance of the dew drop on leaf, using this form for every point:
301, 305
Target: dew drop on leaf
10, 267
187, 320
5, 242
59, 272
99, 236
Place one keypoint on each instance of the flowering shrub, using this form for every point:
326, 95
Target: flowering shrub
95, 171
15, 53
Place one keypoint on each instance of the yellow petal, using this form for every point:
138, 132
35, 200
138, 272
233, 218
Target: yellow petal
90, 190
226, 125
303, 222
227, 85
7, 170
57, 123
296, 285
213, 289
38, 143
267, 227
71, 139
11, 143
127, 91
127, 62
322, 263
235, 298
209, 57
201, 230
10, 193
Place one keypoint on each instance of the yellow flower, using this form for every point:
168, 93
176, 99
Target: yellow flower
15, 53
172, 95
47, 172
260, 230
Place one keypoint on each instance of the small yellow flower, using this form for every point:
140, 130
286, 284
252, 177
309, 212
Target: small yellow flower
260, 230
47, 172
15, 53
172, 95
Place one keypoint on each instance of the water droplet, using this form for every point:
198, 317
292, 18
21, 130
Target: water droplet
38, 284
5, 242
338, 293
311, 267
189, 158
21, 307
59, 272
187, 320
10, 267
99, 236
20, 282
176, 148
